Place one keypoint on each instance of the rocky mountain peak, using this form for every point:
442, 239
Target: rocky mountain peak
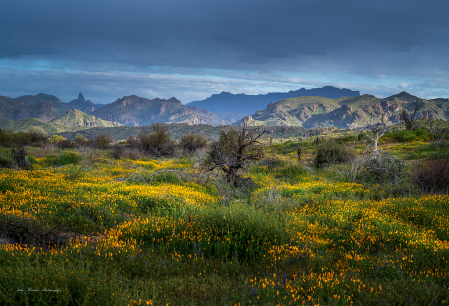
81, 97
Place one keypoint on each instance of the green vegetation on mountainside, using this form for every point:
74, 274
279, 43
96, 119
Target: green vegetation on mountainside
74, 118
344, 112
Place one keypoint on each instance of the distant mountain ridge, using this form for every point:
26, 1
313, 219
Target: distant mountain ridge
15, 109
235, 106
137, 111
344, 112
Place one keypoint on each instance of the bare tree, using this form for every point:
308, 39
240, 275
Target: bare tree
378, 129
235, 148
409, 117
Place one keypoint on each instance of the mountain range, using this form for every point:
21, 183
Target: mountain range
129, 110
301, 111
344, 112
233, 107
137, 111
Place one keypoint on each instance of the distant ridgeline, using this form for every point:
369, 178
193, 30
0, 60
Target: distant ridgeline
341, 111
233, 107
129, 110
344, 112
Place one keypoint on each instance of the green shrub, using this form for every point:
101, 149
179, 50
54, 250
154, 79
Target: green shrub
405, 136
292, 171
422, 133
65, 158
80, 140
101, 141
56, 138
331, 152
388, 134
348, 138
157, 143
192, 142
31, 159
6, 160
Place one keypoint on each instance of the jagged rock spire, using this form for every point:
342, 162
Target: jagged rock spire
81, 97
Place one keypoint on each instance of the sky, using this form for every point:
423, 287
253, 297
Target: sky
108, 49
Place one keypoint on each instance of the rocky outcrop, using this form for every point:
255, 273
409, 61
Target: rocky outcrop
81, 97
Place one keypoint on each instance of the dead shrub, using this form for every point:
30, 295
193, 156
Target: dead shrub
431, 176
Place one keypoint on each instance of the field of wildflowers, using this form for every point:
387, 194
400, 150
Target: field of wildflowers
146, 236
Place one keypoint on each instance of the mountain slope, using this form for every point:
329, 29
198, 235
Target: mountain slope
15, 109
344, 112
40, 98
75, 117
137, 111
25, 124
235, 106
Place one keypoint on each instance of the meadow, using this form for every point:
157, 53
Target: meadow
163, 232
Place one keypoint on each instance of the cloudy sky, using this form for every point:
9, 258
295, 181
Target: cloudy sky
107, 49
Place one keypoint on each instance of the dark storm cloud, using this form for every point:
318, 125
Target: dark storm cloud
365, 37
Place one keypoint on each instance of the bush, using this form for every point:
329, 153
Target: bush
56, 138
101, 141
80, 140
9, 138
37, 135
158, 142
65, 158
120, 151
331, 152
422, 133
431, 176
384, 169
6, 161
133, 142
65, 144
347, 138
405, 136
192, 142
